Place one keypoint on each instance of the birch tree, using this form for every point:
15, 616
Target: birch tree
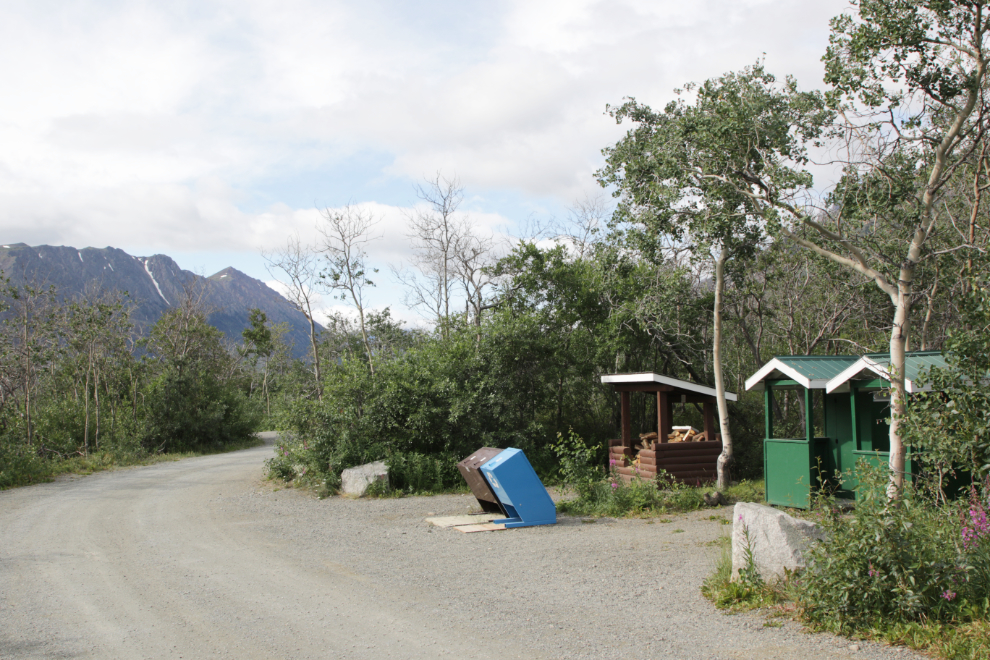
908, 82
671, 174
345, 233
296, 267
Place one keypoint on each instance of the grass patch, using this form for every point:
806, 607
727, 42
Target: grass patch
740, 594
615, 499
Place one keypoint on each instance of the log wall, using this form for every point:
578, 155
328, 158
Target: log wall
687, 462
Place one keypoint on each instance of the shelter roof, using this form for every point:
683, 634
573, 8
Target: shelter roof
809, 371
649, 378
875, 366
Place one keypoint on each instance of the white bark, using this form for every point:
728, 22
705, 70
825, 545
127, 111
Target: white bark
724, 464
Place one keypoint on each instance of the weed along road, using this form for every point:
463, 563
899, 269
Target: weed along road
201, 558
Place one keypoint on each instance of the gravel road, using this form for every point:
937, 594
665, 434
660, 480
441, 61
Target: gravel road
201, 558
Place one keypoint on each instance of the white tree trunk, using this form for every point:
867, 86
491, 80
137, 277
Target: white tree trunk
898, 395
725, 459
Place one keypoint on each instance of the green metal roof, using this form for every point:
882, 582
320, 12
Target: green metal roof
810, 371
874, 366
915, 362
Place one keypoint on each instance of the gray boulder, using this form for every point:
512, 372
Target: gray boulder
355, 481
778, 541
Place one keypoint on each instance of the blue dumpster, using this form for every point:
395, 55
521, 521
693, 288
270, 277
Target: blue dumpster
519, 490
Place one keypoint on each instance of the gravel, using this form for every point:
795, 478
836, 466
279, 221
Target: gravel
203, 558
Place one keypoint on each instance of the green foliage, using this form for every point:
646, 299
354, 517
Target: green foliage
411, 473
614, 498
21, 465
684, 173
192, 404
192, 410
75, 397
737, 593
610, 496
951, 424
903, 42
580, 464
891, 562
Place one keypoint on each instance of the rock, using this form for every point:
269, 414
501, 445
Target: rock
778, 541
355, 481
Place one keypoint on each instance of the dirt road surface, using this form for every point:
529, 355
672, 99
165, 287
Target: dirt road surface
201, 558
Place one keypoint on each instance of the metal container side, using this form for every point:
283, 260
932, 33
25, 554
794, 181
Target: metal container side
470, 469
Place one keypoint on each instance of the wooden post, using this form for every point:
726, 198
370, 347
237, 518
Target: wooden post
709, 410
809, 415
626, 421
664, 416
768, 407
853, 393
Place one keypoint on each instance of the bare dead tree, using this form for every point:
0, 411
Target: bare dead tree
296, 267
345, 233
438, 235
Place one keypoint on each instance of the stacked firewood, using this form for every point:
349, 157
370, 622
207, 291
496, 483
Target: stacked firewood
646, 441
686, 434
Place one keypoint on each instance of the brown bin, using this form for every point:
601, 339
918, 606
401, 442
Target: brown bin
477, 482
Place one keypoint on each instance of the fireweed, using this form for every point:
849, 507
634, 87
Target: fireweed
895, 563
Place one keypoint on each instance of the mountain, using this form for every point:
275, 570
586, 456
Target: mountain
154, 284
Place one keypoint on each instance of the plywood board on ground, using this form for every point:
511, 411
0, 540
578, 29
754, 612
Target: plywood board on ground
454, 521
483, 527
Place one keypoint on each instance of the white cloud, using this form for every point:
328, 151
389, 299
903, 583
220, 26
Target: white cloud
156, 124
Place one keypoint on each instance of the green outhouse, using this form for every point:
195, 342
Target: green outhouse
863, 390
847, 399
794, 466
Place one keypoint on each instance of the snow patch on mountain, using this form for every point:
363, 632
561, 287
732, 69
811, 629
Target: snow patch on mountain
153, 281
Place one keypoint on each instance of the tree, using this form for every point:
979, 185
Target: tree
436, 235
674, 175
33, 341
192, 402
298, 264
263, 345
345, 233
951, 423
916, 70
97, 331
923, 65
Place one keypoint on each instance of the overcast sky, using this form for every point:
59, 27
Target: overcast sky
208, 130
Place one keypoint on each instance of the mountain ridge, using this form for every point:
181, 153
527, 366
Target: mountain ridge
154, 284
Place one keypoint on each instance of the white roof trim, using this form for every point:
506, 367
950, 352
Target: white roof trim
649, 377
882, 370
777, 365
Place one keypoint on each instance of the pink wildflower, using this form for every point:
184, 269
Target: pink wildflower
975, 528
948, 595
611, 461
615, 485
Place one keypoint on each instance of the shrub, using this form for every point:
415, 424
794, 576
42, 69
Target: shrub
893, 562
580, 463
413, 473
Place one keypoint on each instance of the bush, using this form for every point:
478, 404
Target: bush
580, 463
20, 465
194, 410
412, 473
896, 562
612, 497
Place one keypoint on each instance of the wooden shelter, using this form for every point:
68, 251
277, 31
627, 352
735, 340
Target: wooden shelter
683, 456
